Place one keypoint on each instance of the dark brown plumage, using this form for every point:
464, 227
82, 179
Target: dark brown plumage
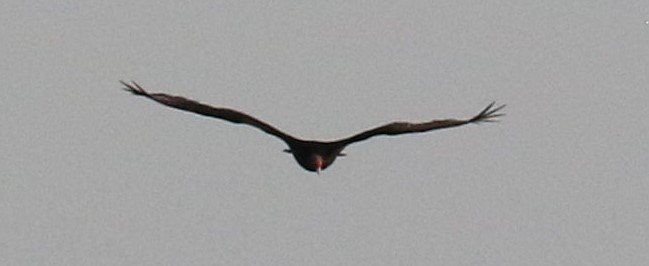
310, 154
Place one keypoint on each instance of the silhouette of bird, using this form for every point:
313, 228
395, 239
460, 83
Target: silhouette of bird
312, 155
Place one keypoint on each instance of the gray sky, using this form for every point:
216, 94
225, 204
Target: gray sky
93, 176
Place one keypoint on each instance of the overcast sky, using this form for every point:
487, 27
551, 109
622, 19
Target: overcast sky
90, 175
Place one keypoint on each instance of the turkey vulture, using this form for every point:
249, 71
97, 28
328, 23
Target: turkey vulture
312, 155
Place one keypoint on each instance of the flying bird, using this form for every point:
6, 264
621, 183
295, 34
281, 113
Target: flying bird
312, 155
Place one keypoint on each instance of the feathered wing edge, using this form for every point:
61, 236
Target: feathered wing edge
488, 114
206, 110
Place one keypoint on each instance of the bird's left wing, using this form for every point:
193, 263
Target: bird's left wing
185, 104
487, 115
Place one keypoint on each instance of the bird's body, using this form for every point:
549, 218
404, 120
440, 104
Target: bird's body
315, 156
312, 155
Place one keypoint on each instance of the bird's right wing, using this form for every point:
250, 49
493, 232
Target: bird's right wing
206, 110
487, 115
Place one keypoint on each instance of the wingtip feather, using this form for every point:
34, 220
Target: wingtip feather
134, 88
488, 114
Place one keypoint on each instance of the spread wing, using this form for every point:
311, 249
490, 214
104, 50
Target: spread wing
489, 114
206, 110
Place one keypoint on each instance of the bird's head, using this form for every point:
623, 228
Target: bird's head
318, 162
